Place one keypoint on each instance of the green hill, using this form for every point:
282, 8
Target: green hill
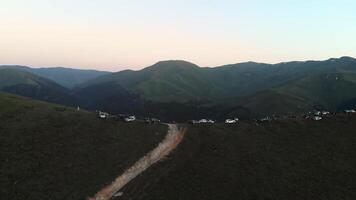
173, 89
50, 151
66, 77
268, 102
166, 81
328, 90
257, 87
30, 85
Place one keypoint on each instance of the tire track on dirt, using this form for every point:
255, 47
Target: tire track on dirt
174, 136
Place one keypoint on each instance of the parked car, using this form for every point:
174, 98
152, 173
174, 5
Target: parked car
203, 121
317, 118
210, 121
230, 121
103, 115
350, 111
325, 113
130, 118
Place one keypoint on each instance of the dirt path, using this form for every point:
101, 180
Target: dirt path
170, 142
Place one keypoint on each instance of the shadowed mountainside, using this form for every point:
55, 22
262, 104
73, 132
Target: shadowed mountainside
30, 85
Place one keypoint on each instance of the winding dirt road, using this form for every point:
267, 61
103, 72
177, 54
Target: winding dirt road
170, 142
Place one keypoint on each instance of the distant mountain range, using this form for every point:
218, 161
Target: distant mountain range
67, 77
30, 85
179, 89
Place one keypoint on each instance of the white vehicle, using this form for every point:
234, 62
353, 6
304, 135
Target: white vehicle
230, 121
211, 121
103, 115
203, 121
350, 111
325, 112
317, 118
130, 118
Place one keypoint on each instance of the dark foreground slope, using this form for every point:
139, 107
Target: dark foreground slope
53, 152
282, 160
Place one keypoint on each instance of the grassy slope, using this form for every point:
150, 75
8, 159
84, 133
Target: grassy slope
180, 81
293, 159
329, 89
66, 77
9, 77
165, 81
26, 84
49, 151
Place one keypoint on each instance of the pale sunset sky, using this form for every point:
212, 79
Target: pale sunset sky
131, 34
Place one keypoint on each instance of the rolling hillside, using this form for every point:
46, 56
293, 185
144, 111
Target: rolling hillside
66, 77
30, 85
256, 87
179, 90
166, 81
54, 152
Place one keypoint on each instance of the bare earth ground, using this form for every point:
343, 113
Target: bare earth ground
173, 138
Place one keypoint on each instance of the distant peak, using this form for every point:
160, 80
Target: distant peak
173, 64
344, 58
347, 58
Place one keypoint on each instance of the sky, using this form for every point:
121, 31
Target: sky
130, 34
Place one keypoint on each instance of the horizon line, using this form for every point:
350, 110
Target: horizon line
112, 71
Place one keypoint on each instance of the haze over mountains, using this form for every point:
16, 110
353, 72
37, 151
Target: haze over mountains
67, 77
183, 90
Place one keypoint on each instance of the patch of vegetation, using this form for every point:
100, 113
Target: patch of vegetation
46, 154
288, 159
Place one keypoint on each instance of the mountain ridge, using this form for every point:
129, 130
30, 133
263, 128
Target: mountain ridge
67, 77
30, 85
179, 87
